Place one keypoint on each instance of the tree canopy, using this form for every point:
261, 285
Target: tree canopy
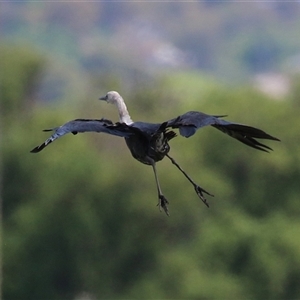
80, 218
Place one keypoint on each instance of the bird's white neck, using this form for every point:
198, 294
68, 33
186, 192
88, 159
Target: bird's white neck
123, 112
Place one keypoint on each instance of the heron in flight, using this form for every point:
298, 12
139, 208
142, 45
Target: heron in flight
149, 142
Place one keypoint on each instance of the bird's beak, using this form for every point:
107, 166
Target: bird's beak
102, 98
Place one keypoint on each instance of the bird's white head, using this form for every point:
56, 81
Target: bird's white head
116, 99
111, 97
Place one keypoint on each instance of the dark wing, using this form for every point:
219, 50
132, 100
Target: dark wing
189, 122
151, 131
148, 129
85, 125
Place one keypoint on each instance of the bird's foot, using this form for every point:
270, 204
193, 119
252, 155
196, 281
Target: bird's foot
199, 190
163, 204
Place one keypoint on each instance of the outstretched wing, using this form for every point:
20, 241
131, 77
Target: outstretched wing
85, 125
190, 122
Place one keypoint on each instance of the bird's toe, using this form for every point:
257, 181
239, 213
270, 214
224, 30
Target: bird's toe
163, 204
199, 190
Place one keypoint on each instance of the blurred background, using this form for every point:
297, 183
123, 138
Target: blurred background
79, 220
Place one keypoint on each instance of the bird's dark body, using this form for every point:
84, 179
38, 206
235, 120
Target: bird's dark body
151, 146
149, 143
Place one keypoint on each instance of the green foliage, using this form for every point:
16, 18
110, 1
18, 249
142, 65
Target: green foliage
81, 216
20, 71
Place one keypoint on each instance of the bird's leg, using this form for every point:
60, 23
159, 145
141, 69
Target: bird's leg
199, 190
162, 201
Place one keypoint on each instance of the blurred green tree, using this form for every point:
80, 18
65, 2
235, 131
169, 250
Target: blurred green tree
81, 216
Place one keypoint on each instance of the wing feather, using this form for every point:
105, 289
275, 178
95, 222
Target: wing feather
85, 125
190, 122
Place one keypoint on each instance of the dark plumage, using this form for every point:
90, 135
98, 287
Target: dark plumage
149, 143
